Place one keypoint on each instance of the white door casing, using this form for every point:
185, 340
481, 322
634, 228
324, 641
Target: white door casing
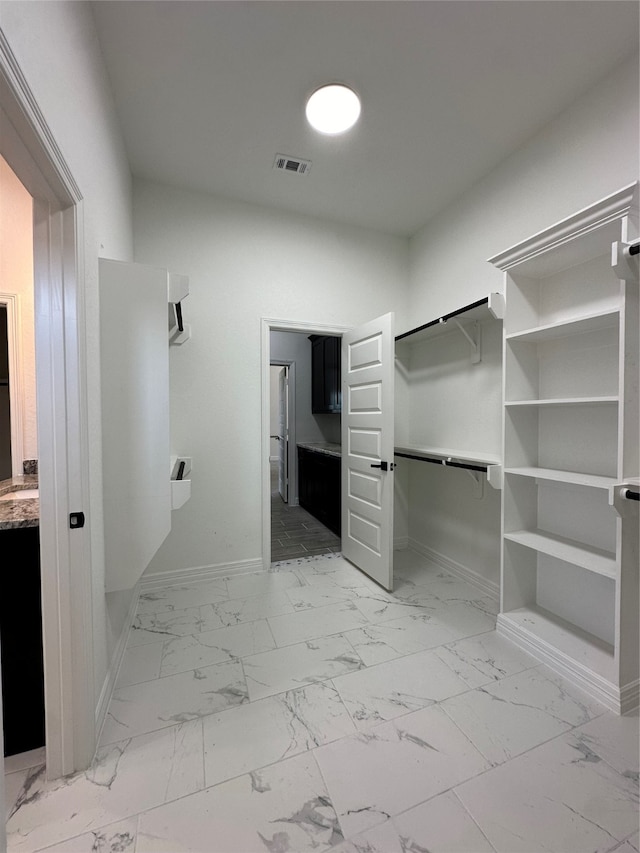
367, 448
283, 433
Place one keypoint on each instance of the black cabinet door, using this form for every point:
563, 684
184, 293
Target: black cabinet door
319, 487
326, 392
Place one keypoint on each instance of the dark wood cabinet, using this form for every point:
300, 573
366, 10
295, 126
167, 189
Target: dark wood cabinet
21, 639
326, 391
319, 477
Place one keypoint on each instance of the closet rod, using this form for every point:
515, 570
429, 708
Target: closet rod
444, 318
631, 496
634, 250
467, 465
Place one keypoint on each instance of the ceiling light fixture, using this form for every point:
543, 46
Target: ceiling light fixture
333, 109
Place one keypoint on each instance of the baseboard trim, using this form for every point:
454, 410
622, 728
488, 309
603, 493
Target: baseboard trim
114, 668
401, 543
620, 700
199, 573
491, 588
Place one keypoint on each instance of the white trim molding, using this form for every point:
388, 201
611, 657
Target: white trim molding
160, 580
486, 587
11, 301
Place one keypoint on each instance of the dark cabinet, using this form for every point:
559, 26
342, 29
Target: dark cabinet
21, 639
326, 391
319, 486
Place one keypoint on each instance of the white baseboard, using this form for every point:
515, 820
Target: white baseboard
486, 586
114, 667
199, 573
620, 700
401, 543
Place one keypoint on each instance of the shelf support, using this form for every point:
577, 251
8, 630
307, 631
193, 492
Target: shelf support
624, 262
475, 341
494, 476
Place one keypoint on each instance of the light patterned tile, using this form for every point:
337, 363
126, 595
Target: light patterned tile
261, 583
225, 644
441, 825
378, 774
316, 622
397, 687
116, 838
511, 716
175, 699
182, 597
294, 666
613, 739
153, 627
240, 610
284, 807
125, 778
140, 663
398, 637
485, 658
252, 736
553, 797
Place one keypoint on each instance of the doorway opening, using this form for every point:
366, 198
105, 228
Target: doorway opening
293, 526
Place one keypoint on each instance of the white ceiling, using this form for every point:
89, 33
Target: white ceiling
208, 92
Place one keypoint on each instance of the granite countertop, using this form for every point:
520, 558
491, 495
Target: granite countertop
322, 447
20, 512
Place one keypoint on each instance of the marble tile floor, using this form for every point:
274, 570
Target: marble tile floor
294, 531
305, 708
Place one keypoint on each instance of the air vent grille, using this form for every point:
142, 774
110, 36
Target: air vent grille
293, 165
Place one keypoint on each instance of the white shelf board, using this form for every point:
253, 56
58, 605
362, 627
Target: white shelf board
584, 648
563, 328
573, 477
585, 556
448, 454
564, 401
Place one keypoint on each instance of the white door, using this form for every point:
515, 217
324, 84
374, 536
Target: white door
367, 448
283, 434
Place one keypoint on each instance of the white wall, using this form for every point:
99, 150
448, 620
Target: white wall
586, 153
16, 277
58, 52
244, 263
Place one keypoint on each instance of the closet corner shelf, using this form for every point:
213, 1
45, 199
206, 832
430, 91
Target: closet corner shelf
491, 307
574, 478
563, 401
448, 458
605, 319
577, 553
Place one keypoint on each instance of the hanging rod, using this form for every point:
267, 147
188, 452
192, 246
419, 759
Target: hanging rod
446, 462
634, 250
444, 318
630, 496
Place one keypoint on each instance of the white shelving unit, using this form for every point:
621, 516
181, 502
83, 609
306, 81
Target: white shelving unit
569, 568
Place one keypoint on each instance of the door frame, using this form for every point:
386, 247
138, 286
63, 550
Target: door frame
31, 150
268, 325
291, 403
11, 302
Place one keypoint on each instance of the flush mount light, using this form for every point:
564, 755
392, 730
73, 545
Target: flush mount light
333, 109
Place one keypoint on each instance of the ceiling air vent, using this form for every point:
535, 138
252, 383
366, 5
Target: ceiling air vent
294, 165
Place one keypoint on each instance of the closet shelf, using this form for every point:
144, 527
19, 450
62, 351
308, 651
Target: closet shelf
450, 458
571, 477
491, 307
554, 636
563, 401
606, 319
585, 556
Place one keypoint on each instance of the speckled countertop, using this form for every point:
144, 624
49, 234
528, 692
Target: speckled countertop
22, 512
322, 447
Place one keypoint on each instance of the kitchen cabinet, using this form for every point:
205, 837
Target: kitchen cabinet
319, 486
21, 640
326, 393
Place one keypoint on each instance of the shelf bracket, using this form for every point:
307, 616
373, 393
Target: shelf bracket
624, 262
496, 305
620, 501
475, 340
494, 476
478, 479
